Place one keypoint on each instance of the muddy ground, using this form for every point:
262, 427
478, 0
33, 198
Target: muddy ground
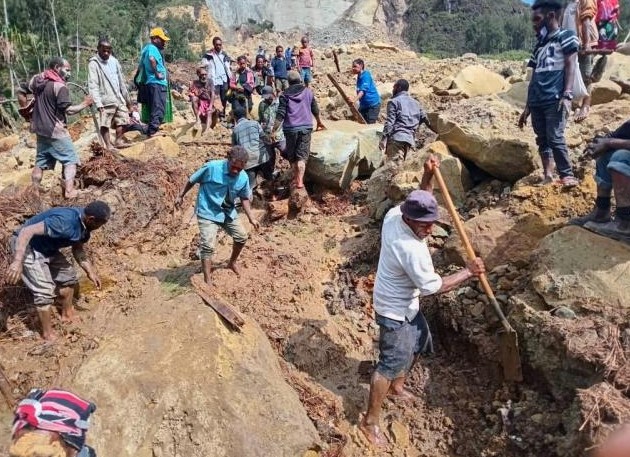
308, 281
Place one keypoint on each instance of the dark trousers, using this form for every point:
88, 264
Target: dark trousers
157, 106
370, 114
221, 90
549, 123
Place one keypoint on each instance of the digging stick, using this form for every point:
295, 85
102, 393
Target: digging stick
510, 358
223, 309
353, 109
93, 111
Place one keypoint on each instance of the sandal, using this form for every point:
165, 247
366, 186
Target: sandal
569, 181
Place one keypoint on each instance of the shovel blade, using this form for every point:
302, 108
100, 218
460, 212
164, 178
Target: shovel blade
510, 357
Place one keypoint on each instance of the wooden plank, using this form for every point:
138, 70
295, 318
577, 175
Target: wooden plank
353, 109
336, 59
223, 309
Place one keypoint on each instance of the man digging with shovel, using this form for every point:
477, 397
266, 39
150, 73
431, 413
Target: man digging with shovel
405, 272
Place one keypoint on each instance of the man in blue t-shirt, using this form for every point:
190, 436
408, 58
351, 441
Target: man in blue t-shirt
43, 268
152, 63
367, 94
551, 89
221, 182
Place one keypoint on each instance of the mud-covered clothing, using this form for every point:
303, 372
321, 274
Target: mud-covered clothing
63, 227
548, 61
405, 270
208, 231
267, 117
218, 191
52, 100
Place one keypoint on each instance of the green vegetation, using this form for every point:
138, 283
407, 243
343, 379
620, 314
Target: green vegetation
40, 29
445, 28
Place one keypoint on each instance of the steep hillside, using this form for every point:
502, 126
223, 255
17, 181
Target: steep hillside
447, 27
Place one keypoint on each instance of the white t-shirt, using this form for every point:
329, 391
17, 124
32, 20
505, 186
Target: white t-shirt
405, 270
570, 16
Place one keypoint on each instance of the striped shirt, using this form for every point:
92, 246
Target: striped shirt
548, 62
249, 134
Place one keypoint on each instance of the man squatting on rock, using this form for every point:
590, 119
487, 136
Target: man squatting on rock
612, 174
43, 268
221, 182
405, 272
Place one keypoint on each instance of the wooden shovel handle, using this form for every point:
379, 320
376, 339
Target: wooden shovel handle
470, 252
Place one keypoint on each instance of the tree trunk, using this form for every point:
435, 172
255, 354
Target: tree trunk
52, 7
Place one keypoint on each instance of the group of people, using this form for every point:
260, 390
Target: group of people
405, 271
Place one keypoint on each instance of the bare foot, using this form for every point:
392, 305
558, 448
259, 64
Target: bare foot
582, 114
373, 434
71, 194
401, 395
235, 268
70, 318
51, 336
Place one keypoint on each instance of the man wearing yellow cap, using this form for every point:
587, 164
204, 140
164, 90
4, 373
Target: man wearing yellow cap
156, 79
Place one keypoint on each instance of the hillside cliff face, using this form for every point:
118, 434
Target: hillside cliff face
288, 14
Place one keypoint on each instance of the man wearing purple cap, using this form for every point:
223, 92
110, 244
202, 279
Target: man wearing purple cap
405, 272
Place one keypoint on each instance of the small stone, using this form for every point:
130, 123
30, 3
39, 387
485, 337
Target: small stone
478, 309
400, 434
537, 418
564, 313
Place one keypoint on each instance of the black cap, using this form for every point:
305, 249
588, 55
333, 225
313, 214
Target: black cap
553, 4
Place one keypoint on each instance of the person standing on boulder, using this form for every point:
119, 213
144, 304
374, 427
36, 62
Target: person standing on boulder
367, 93
221, 182
305, 61
108, 88
43, 268
405, 272
404, 115
612, 174
550, 92
49, 123
295, 116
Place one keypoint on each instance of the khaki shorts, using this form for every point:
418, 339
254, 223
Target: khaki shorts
42, 275
208, 231
396, 150
113, 116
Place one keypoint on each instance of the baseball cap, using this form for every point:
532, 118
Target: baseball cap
267, 92
160, 33
421, 206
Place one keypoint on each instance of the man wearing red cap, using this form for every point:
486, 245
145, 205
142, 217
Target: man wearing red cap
405, 272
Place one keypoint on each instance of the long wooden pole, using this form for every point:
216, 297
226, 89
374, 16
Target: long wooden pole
353, 109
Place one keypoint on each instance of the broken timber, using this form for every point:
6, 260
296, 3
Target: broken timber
353, 109
336, 59
6, 389
222, 308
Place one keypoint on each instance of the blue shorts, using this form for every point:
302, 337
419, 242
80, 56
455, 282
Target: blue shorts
400, 343
52, 150
307, 75
618, 161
